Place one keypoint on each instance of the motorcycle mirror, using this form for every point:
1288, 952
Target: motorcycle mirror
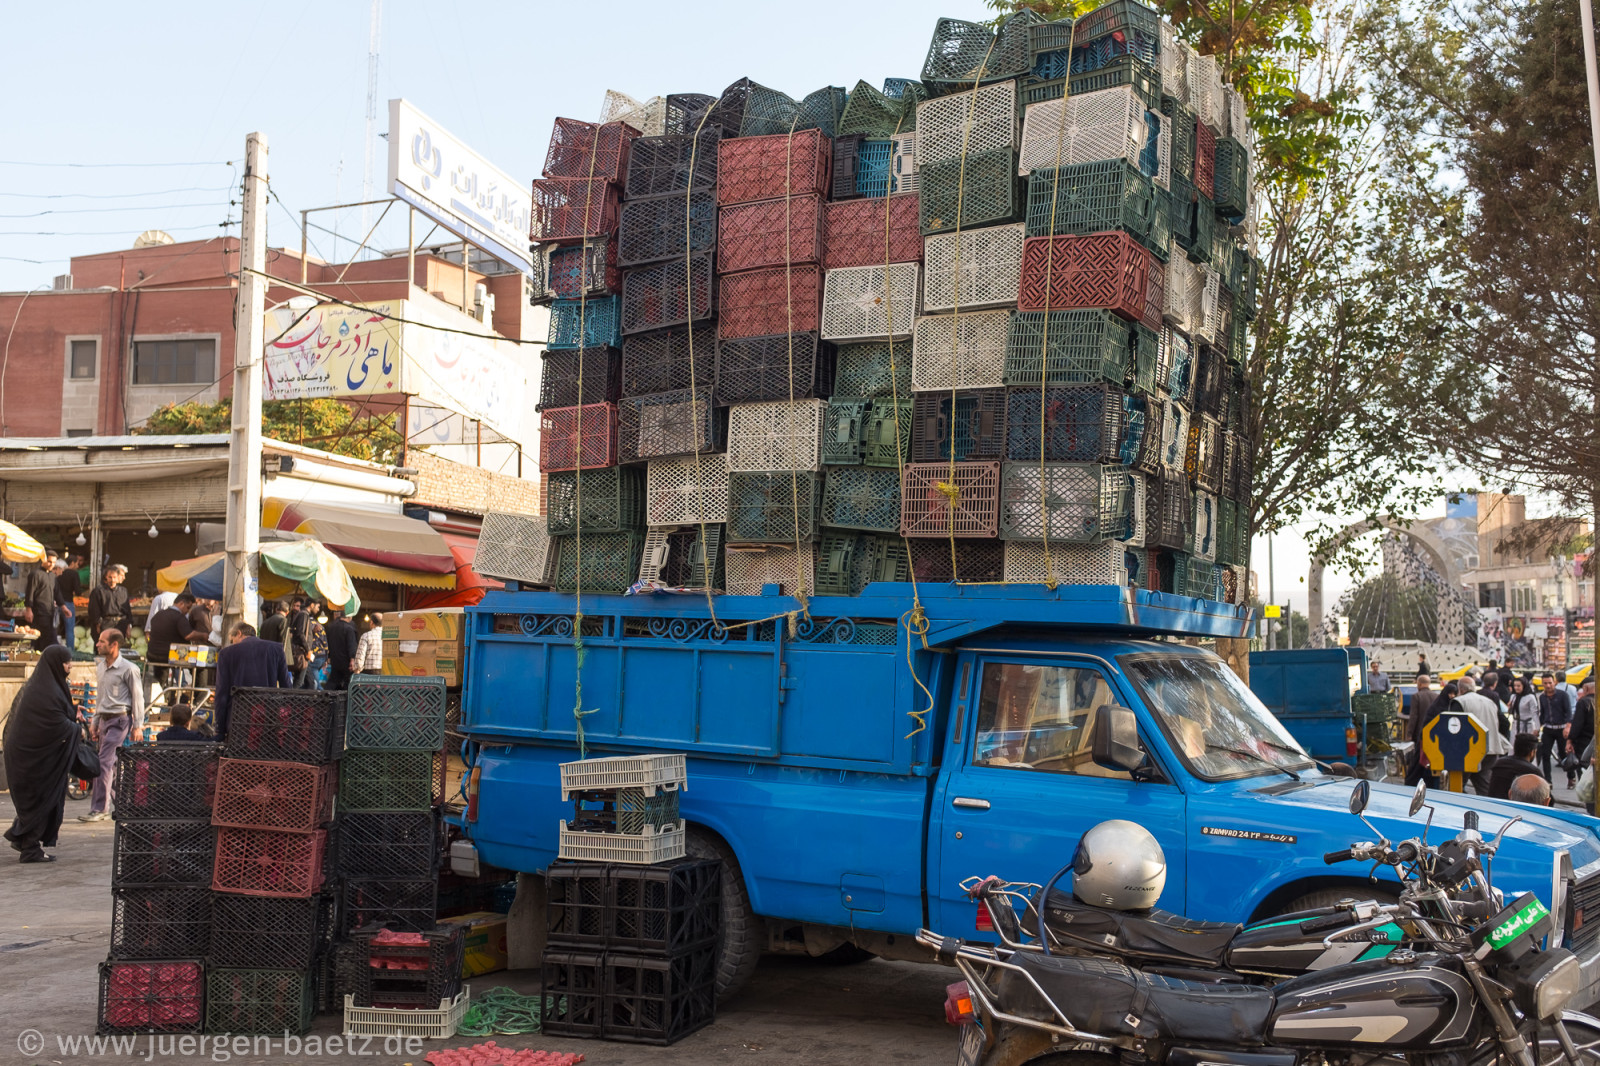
1114, 741
1360, 796
1419, 797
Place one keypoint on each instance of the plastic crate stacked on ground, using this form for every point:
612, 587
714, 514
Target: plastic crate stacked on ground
1112, 562
963, 54
140, 997
863, 498
768, 233
1112, 124
661, 361
625, 809
574, 272
773, 508
666, 425
574, 376
964, 559
1095, 198
610, 500
584, 437
1079, 424
950, 500
848, 562
871, 302
402, 968
672, 292
770, 301
751, 568
967, 426
776, 436
686, 491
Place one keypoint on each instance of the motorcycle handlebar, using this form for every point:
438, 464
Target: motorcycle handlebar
1337, 856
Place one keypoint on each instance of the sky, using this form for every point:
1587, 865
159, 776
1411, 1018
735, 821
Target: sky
150, 104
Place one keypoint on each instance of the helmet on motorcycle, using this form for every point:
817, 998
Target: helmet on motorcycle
1119, 865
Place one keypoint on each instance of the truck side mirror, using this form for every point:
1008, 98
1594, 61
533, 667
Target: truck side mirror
1115, 740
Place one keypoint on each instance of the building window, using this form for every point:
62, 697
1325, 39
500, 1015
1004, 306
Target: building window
1492, 594
1524, 596
81, 360
80, 432
176, 362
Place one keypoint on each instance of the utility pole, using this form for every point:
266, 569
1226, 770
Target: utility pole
1272, 597
241, 601
374, 32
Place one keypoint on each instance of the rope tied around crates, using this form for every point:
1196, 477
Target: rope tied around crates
788, 307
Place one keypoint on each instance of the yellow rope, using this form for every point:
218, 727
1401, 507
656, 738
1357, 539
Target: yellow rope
800, 579
579, 654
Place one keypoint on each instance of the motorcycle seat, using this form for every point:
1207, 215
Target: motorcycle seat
1152, 935
1109, 998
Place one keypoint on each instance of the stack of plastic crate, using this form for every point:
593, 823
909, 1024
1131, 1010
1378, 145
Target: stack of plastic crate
633, 926
272, 899
385, 973
603, 271
162, 854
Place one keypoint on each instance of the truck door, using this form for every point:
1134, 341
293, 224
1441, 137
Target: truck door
1020, 785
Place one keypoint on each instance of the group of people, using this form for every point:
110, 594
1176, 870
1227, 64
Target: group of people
48, 595
1534, 727
324, 644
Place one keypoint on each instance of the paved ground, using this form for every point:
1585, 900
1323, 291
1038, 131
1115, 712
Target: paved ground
55, 921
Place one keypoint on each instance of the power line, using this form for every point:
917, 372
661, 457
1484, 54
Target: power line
104, 233
107, 210
106, 166
113, 195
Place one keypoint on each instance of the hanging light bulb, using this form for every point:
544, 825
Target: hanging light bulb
186, 527
153, 532
82, 540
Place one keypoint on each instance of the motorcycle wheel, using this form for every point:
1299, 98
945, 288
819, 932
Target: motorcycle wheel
77, 788
1585, 1033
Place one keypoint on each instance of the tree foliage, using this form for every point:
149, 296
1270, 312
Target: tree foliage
320, 423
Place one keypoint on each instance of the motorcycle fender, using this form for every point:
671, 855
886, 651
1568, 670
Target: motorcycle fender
1015, 1045
1418, 1005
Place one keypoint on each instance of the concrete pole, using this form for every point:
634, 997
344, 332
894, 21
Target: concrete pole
241, 599
1587, 11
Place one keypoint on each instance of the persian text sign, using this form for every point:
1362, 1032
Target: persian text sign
333, 350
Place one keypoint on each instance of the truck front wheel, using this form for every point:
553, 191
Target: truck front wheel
742, 932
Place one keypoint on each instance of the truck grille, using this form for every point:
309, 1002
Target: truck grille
1586, 914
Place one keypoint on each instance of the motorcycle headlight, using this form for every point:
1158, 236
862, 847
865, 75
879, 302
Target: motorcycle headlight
1549, 984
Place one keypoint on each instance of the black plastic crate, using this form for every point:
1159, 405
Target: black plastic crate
165, 780
285, 934
682, 562
773, 508
674, 163
398, 902
659, 1000
1080, 424
574, 993
782, 367
291, 725
260, 1001
1208, 393
669, 424
665, 909
660, 361
975, 559
1168, 509
151, 997
976, 433
578, 904
165, 852
608, 500
685, 113
398, 844
395, 713
662, 228
160, 922
558, 377
406, 974
669, 293
390, 780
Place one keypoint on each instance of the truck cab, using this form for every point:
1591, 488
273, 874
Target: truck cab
854, 759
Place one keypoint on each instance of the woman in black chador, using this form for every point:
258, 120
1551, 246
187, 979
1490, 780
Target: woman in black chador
40, 737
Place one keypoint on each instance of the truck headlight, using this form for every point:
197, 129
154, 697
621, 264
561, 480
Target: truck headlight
1556, 985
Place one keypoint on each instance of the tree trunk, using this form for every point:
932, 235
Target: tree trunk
1236, 653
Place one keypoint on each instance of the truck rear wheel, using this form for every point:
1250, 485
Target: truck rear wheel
1327, 897
741, 931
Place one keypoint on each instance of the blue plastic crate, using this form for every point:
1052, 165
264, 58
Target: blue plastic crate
600, 318
872, 168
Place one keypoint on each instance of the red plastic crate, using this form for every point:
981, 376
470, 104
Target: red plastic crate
571, 209
142, 997
269, 862
1096, 270
559, 441
929, 509
753, 168
1205, 159
294, 797
770, 233
758, 303
852, 232
581, 149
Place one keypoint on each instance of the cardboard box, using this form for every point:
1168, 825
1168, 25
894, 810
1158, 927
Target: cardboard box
192, 654
446, 623
423, 658
483, 942
455, 772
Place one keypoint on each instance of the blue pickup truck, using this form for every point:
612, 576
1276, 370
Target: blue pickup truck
852, 759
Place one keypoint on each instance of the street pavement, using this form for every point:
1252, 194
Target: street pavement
55, 922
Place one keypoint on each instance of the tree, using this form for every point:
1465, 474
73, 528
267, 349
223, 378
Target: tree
1498, 92
318, 423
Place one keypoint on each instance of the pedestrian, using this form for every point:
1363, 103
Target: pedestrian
175, 625
369, 644
67, 589
1564, 687
1503, 682
342, 649
118, 711
300, 622
1486, 687
1581, 733
1422, 712
1513, 766
200, 621
108, 603
41, 738
182, 715
1555, 716
1377, 680
1486, 713
1531, 788
319, 644
1422, 664
158, 603
1523, 708
39, 597
276, 628
247, 662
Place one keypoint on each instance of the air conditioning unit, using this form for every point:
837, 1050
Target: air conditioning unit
63, 282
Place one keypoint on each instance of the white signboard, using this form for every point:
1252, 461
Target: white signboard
453, 185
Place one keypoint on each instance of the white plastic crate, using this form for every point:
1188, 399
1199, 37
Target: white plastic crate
658, 547
649, 117
646, 772
967, 123
380, 1022
1238, 122
748, 569
1210, 314
903, 163
1203, 529
1138, 486
514, 547
965, 351
687, 491
782, 435
1163, 178
1073, 564
1096, 126
642, 849
871, 302
1175, 57
1205, 90
1184, 287
983, 270
1174, 436
1081, 503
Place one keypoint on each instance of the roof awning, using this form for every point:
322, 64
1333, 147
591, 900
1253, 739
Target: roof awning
375, 545
286, 567
469, 585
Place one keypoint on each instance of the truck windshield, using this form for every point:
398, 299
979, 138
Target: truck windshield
1214, 722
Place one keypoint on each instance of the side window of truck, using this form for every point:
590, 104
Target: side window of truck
1033, 717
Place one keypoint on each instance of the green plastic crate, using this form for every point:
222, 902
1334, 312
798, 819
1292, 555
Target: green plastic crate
844, 430
1057, 35
1145, 348
841, 567
861, 497
390, 780
1085, 348
1202, 235
1090, 198
962, 53
890, 560
762, 507
1182, 120
1232, 180
1371, 707
878, 445
867, 371
608, 500
988, 191
870, 113
1183, 206
260, 1002
607, 562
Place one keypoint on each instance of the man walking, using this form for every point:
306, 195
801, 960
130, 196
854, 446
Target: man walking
174, 626
300, 623
1581, 733
39, 596
1377, 680
247, 662
67, 589
342, 643
275, 628
1555, 716
119, 709
1422, 712
1486, 713
108, 603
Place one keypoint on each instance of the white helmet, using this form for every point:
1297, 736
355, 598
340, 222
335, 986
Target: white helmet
1119, 865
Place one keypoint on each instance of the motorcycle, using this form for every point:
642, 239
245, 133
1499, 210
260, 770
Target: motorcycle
1472, 984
